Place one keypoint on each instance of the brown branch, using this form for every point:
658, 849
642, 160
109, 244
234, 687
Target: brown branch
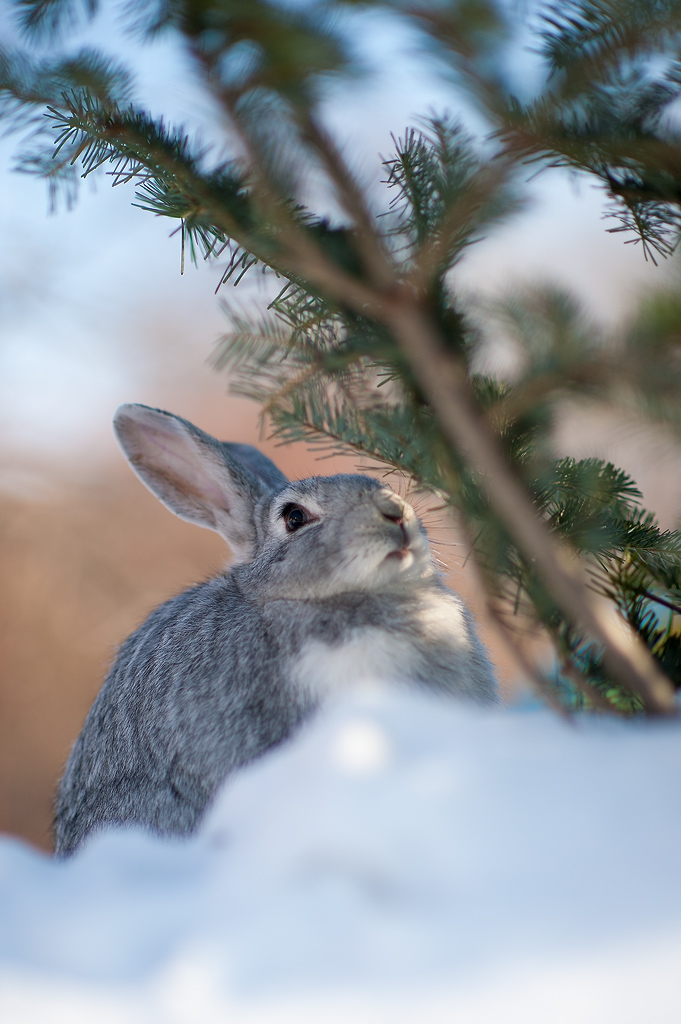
506, 633
369, 244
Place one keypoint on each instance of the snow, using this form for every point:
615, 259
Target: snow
403, 859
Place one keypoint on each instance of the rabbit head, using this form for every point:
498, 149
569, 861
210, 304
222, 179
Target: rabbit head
302, 539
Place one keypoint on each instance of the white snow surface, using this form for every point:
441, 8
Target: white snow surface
403, 859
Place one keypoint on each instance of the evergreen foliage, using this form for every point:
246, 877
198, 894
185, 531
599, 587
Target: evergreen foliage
367, 333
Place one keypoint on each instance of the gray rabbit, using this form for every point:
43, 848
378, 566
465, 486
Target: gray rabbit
333, 583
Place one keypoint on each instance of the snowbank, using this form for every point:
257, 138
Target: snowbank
404, 860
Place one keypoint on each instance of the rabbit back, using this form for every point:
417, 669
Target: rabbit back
198, 690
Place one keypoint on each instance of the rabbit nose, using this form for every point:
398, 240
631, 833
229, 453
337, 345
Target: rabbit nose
391, 507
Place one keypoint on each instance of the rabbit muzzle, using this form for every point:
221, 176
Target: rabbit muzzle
404, 531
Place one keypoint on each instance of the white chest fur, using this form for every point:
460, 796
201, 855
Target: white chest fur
370, 656
374, 656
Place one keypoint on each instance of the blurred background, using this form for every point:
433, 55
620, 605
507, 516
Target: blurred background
94, 312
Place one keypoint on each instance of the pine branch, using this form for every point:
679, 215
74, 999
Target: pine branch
51, 19
594, 35
27, 85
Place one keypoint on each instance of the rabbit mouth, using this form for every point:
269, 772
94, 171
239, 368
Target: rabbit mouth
400, 555
402, 559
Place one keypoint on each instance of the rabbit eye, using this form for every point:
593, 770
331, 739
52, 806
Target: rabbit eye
294, 517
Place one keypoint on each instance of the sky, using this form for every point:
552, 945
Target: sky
94, 311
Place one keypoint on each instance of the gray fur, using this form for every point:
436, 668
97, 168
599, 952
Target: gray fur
231, 667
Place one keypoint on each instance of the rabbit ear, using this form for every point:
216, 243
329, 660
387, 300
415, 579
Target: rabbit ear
205, 481
267, 473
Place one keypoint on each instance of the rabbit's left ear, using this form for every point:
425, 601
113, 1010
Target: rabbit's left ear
207, 482
263, 468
